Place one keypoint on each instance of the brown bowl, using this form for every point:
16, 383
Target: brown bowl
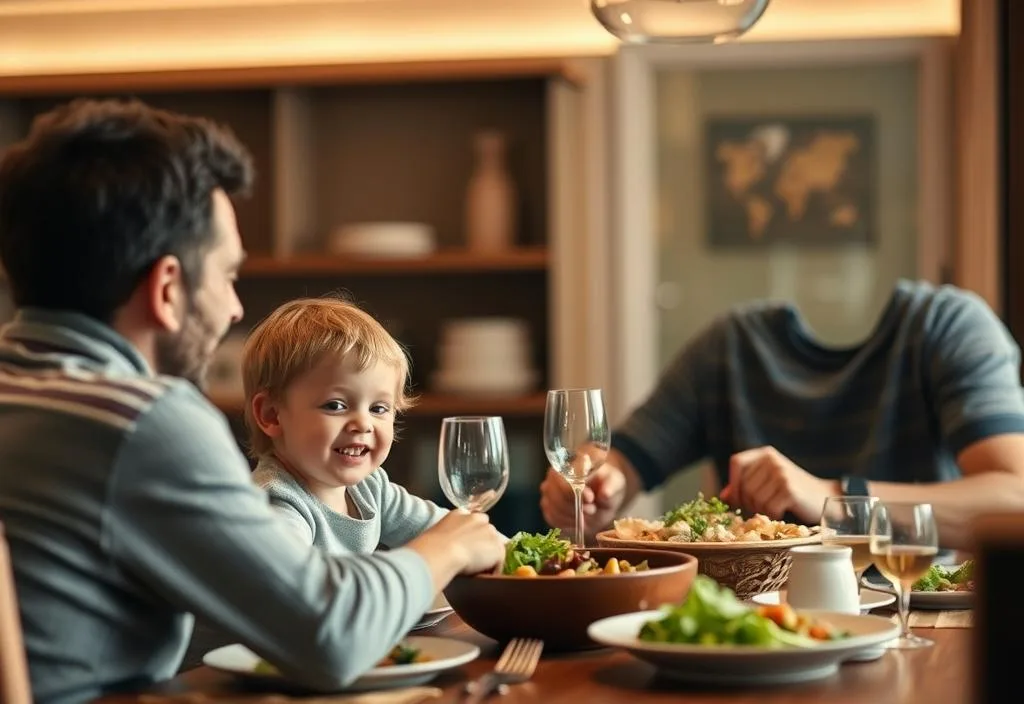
748, 568
558, 610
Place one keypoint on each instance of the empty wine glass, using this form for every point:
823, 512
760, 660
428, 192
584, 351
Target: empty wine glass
846, 520
576, 441
472, 461
904, 541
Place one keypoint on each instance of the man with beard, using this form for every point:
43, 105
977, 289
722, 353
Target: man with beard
126, 501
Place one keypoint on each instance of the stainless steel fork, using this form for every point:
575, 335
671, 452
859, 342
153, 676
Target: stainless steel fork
515, 665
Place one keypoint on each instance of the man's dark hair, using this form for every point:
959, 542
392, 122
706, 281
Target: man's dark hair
99, 191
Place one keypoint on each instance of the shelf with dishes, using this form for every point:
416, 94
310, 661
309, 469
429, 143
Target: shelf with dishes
436, 404
483, 368
452, 261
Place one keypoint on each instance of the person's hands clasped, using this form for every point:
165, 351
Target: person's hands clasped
763, 480
602, 498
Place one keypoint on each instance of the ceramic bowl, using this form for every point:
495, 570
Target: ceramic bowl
559, 610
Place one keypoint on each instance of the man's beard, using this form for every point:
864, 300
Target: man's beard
188, 352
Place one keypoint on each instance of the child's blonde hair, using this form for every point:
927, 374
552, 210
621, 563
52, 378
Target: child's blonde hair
295, 337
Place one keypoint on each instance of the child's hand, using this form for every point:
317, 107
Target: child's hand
460, 543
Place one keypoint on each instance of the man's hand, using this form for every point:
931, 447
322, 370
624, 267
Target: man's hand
603, 497
763, 480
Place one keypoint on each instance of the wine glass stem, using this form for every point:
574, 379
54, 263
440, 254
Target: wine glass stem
903, 602
577, 490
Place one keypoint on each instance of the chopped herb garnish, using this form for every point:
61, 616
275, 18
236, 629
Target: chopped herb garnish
403, 654
696, 513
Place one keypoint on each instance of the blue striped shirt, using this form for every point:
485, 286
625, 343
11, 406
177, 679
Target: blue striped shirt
939, 372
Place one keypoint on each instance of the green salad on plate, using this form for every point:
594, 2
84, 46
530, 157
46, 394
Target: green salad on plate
712, 615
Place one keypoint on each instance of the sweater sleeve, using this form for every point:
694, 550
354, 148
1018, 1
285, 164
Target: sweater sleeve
298, 521
294, 511
666, 432
402, 515
973, 369
186, 518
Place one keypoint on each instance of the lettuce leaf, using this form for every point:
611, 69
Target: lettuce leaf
533, 549
712, 615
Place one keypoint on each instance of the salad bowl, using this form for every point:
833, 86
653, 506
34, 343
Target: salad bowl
558, 609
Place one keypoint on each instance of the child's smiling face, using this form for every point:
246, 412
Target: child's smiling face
337, 422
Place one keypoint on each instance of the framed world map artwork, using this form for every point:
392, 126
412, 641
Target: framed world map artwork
794, 179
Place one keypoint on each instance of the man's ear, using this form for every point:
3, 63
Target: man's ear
165, 293
265, 414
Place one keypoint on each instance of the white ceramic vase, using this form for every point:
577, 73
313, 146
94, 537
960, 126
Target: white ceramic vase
490, 196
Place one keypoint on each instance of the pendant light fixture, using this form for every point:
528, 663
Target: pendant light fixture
677, 21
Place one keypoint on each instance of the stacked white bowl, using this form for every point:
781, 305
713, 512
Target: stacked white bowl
383, 239
484, 356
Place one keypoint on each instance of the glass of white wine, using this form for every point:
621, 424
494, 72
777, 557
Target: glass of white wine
472, 461
904, 540
576, 441
846, 520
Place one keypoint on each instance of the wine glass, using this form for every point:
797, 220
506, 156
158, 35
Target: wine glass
903, 540
846, 520
472, 461
576, 441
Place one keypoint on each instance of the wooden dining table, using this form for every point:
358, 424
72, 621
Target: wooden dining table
937, 674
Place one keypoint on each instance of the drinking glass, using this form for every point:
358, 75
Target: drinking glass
904, 540
576, 441
846, 520
472, 461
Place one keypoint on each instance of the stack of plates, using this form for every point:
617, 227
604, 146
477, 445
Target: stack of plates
485, 356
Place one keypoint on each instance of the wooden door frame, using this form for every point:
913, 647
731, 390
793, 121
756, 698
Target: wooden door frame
978, 259
1011, 83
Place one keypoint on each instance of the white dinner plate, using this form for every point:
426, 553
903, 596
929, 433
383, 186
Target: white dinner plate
744, 665
438, 611
869, 599
445, 654
930, 601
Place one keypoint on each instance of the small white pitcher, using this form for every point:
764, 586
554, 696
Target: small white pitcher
821, 577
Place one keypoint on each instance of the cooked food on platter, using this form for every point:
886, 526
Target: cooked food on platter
709, 521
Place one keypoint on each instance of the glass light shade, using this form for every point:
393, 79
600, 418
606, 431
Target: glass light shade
677, 21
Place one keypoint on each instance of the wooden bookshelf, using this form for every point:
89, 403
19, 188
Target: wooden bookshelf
430, 404
453, 261
451, 405
341, 144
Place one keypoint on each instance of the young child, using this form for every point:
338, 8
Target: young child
323, 383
